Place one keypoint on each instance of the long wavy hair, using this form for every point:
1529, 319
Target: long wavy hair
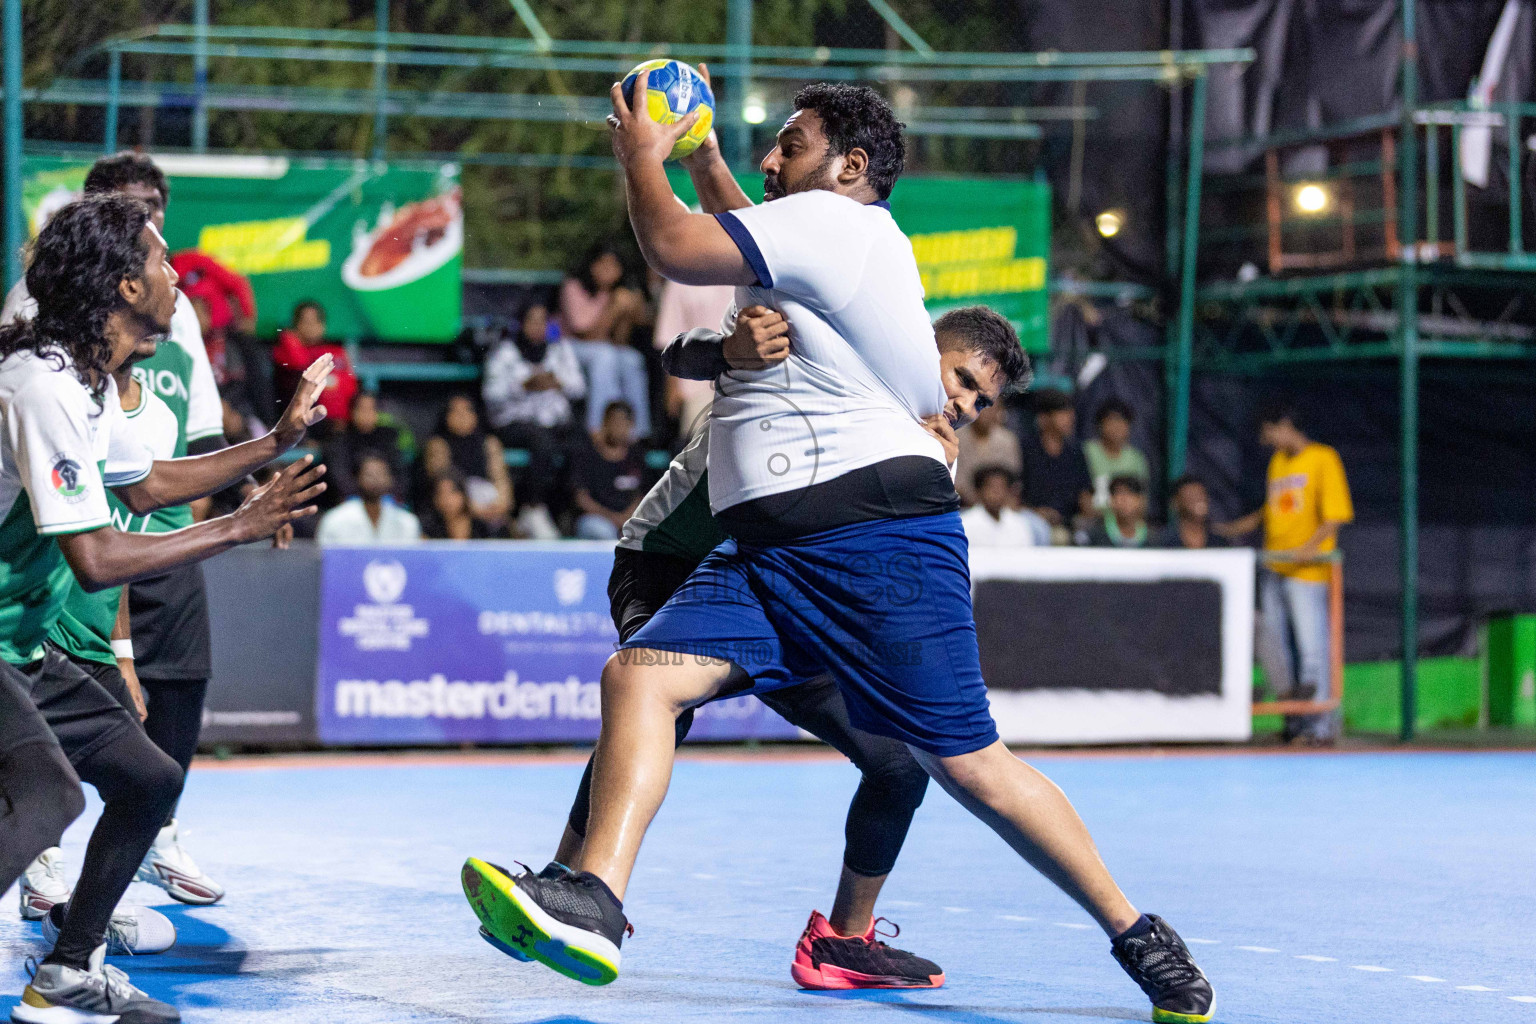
74, 267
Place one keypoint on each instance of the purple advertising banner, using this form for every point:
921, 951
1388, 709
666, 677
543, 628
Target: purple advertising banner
496, 642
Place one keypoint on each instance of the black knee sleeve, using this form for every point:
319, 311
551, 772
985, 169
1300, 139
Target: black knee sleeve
881, 812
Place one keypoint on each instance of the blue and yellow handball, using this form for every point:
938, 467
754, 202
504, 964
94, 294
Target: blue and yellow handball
672, 92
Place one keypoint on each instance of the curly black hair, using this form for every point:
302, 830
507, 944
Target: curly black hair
982, 329
111, 173
74, 267
858, 117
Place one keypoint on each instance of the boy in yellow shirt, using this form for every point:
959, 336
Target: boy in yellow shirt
1308, 500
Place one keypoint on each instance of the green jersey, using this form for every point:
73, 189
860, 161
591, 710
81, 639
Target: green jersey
674, 517
84, 626
60, 449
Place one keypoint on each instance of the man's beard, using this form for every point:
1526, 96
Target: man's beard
821, 178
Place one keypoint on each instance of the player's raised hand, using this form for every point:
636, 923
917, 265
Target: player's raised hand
281, 500
635, 135
760, 340
304, 411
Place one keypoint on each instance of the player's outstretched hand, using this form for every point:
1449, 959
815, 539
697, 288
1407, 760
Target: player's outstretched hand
760, 340
938, 426
635, 135
281, 500
304, 411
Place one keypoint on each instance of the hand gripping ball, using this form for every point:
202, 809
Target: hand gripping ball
672, 91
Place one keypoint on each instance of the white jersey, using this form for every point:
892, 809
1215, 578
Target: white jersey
205, 413
863, 368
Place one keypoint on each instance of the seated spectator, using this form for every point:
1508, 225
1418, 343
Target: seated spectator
682, 308
459, 443
1124, 524
609, 476
372, 517
302, 344
1055, 479
363, 434
986, 443
1191, 526
448, 516
598, 315
1111, 454
994, 521
531, 379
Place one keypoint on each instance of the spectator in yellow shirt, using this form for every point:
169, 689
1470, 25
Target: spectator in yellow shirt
1308, 500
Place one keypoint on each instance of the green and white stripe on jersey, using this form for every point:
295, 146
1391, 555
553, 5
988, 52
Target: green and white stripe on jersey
674, 517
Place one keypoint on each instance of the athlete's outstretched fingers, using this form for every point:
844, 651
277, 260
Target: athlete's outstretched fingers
620, 108
637, 105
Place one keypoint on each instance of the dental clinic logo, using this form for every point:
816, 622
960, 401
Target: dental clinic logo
570, 586
384, 625
66, 478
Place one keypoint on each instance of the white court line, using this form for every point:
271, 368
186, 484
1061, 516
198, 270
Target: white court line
802, 888
1015, 917
1205, 942
958, 910
1425, 978
1072, 924
1258, 949
1522, 999
1318, 959
902, 903
1372, 968
1475, 988
704, 877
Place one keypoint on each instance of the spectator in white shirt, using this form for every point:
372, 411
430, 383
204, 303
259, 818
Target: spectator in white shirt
531, 379
994, 522
372, 517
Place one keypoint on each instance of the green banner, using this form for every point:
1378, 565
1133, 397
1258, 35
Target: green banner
380, 247
977, 241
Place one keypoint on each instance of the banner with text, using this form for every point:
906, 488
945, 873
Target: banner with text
478, 643
380, 247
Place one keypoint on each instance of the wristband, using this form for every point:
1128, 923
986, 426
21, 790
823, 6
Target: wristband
122, 649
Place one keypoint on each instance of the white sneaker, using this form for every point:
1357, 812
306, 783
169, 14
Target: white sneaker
535, 521
100, 994
133, 931
173, 869
43, 885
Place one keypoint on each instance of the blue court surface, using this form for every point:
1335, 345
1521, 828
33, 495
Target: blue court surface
1354, 887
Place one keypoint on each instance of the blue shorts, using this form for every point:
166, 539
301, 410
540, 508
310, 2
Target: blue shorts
885, 606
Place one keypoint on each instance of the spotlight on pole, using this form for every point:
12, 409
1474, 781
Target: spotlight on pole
755, 109
1312, 199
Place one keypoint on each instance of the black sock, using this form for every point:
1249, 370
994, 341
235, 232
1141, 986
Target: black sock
1141, 927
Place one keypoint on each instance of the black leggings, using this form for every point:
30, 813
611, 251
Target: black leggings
888, 796
139, 785
39, 796
175, 718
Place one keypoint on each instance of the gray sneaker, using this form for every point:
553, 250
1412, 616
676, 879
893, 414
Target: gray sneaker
133, 931
100, 994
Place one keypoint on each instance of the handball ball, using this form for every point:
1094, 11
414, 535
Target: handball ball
672, 92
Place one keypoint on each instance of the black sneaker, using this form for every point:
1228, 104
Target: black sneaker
571, 923
827, 960
554, 869
1160, 963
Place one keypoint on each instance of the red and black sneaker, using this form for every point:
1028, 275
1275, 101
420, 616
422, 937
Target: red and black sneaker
827, 960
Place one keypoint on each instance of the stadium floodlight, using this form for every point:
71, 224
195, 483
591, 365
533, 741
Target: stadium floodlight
1312, 198
1109, 223
755, 109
